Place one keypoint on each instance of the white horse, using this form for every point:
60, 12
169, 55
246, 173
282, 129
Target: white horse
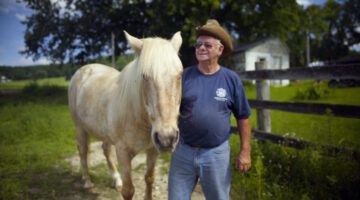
134, 110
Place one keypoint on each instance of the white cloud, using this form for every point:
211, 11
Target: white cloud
63, 9
304, 3
21, 17
28, 61
357, 29
355, 47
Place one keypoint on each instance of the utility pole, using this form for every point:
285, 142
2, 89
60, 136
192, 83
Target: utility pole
307, 48
113, 49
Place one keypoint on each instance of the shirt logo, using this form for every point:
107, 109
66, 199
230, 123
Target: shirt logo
220, 94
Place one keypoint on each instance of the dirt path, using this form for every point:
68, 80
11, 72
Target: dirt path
105, 192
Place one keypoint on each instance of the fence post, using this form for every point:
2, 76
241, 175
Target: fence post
113, 49
263, 93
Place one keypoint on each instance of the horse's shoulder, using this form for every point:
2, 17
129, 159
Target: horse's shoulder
96, 67
93, 69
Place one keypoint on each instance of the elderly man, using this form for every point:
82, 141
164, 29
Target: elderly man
210, 94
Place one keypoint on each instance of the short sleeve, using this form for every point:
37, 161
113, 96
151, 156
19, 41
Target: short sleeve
241, 108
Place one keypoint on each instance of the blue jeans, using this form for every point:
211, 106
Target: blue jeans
211, 166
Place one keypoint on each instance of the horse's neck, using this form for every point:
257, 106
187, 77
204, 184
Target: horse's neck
129, 91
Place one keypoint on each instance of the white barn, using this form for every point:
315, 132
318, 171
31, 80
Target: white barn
271, 50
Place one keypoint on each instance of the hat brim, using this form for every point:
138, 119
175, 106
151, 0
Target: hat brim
218, 34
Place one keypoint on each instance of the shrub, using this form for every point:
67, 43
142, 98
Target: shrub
36, 92
313, 92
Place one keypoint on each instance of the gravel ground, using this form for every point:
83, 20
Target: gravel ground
97, 158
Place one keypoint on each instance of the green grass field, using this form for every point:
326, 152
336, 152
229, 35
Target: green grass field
61, 82
323, 129
36, 134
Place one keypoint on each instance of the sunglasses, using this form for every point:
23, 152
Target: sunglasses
206, 45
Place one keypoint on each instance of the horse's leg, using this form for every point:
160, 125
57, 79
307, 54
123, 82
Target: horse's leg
151, 156
124, 158
83, 147
108, 152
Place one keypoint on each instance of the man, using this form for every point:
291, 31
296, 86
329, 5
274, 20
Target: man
210, 93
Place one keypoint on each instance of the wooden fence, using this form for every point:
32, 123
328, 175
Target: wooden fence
263, 105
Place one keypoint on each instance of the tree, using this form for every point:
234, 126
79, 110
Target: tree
81, 30
343, 23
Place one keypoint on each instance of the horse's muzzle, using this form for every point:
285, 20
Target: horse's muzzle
166, 142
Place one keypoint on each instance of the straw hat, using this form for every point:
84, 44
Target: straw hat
213, 28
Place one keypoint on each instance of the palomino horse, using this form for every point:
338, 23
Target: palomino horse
134, 110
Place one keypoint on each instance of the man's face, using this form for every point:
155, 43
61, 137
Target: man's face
208, 48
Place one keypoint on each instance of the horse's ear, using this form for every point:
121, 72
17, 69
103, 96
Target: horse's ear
134, 42
176, 40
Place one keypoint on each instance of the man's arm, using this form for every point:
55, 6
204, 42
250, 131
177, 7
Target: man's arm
243, 160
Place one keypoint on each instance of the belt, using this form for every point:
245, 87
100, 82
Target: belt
200, 146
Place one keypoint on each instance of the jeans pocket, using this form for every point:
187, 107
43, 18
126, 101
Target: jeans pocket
222, 149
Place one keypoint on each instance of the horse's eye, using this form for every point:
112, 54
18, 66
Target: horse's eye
146, 78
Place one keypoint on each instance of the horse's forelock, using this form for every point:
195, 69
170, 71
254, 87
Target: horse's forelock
159, 57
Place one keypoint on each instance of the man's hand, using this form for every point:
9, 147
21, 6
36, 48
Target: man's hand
243, 162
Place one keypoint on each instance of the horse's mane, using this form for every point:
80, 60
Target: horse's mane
157, 59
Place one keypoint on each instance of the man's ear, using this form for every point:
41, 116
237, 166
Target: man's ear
221, 50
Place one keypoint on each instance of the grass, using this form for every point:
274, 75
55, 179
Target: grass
18, 85
325, 129
284, 173
36, 134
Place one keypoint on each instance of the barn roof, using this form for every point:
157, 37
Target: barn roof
250, 45
257, 42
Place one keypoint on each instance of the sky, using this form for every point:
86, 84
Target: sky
12, 32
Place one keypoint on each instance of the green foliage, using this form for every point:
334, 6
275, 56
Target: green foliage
324, 129
120, 63
80, 36
19, 85
36, 134
33, 72
314, 92
34, 89
341, 34
284, 173
48, 72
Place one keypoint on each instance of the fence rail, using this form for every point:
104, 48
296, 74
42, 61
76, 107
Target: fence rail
263, 104
309, 108
300, 144
309, 73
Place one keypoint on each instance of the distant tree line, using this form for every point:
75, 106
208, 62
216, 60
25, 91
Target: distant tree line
56, 70
33, 72
80, 30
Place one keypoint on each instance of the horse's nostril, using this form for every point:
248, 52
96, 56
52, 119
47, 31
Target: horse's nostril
156, 137
167, 142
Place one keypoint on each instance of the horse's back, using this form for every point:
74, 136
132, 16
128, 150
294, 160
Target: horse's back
94, 76
89, 94
93, 70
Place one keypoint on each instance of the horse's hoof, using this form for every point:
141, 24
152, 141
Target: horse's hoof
117, 184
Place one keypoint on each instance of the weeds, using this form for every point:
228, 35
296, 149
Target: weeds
284, 173
312, 92
36, 133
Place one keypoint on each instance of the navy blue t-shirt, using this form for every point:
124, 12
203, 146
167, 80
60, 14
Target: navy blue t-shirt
206, 106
